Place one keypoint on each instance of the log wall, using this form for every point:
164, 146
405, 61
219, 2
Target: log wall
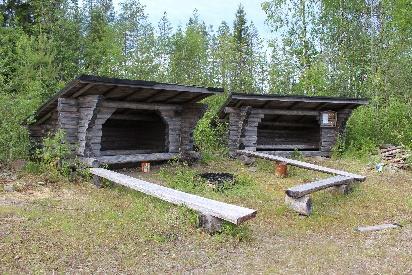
244, 131
39, 131
68, 118
329, 135
173, 126
189, 117
159, 128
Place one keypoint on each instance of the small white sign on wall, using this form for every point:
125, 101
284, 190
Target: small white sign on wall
328, 119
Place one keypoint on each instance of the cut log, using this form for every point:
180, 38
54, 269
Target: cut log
302, 164
308, 188
343, 189
229, 212
210, 224
278, 112
118, 159
377, 227
287, 146
301, 205
142, 106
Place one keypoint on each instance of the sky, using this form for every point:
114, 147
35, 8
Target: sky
213, 12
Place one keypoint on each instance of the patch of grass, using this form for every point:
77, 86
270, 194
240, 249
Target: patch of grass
409, 202
78, 228
32, 167
239, 233
180, 177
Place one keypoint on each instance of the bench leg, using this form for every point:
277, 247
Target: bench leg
210, 224
97, 181
302, 205
342, 189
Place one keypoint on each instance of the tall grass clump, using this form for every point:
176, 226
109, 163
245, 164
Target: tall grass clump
210, 135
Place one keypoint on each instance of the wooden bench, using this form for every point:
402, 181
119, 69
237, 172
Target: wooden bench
212, 212
297, 198
302, 164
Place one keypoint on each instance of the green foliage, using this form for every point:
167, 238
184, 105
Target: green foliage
238, 232
210, 134
14, 142
374, 125
55, 158
334, 48
55, 151
181, 177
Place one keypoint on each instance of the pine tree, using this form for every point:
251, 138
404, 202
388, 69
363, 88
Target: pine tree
164, 47
139, 42
188, 61
295, 23
102, 43
223, 54
241, 51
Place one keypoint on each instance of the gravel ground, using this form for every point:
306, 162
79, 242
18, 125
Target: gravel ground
76, 228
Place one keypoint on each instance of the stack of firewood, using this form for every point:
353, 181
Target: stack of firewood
395, 156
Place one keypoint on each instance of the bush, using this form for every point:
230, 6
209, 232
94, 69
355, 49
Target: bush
373, 125
14, 139
210, 135
56, 158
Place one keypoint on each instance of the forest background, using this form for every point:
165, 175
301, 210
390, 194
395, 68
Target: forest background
346, 48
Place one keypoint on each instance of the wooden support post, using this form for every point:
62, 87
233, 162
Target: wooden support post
97, 181
302, 205
342, 189
210, 223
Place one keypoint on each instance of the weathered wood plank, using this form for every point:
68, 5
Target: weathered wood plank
142, 106
288, 146
118, 159
83, 90
229, 212
125, 152
277, 112
302, 164
308, 188
377, 227
289, 153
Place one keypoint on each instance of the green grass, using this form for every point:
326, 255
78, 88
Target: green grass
64, 227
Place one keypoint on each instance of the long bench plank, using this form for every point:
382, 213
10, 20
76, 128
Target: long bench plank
302, 164
308, 188
229, 212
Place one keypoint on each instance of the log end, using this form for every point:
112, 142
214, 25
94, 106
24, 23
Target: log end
210, 223
302, 205
97, 181
343, 189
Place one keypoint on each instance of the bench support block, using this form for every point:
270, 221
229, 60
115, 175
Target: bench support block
97, 181
210, 224
302, 205
342, 189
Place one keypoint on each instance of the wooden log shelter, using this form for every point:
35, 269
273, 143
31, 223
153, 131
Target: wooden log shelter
279, 125
118, 121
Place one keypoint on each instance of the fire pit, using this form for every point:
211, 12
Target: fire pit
218, 180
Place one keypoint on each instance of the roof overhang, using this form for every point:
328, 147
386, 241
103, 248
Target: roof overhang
293, 103
128, 90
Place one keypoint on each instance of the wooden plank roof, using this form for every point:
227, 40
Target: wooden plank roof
128, 90
287, 102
